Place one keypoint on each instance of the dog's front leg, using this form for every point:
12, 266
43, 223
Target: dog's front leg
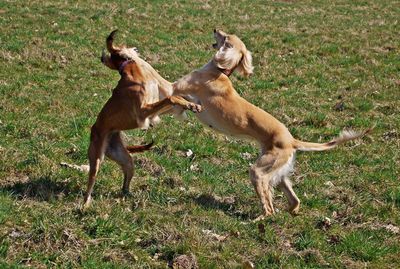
150, 110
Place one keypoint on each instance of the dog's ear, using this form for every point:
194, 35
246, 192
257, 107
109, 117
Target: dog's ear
227, 57
109, 42
245, 67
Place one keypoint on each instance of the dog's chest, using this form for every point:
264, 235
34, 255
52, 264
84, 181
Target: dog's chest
152, 95
152, 92
207, 119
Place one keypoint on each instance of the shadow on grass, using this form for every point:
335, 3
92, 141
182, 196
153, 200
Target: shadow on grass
228, 205
40, 189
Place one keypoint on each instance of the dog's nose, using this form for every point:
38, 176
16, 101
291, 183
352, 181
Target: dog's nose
215, 30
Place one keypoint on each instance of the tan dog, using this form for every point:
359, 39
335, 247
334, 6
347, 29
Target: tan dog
134, 104
228, 113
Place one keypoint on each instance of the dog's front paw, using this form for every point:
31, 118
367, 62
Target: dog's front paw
194, 107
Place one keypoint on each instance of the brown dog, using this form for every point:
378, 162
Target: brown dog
134, 104
228, 113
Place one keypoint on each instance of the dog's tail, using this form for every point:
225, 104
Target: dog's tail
141, 148
343, 137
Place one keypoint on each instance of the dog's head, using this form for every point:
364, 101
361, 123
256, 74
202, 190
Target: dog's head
118, 55
232, 53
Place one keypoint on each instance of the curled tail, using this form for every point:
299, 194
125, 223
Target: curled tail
343, 137
142, 148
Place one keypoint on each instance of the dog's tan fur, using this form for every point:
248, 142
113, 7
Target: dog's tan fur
228, 113
135, 103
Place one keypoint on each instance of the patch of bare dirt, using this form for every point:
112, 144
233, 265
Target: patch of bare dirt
13, 179
184, 262
119, 256
150, 166
68, 245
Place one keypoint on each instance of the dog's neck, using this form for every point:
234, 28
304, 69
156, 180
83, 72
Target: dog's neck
213, 65
122, 66
227, 72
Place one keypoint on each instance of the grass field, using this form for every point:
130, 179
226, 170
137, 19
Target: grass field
320, 66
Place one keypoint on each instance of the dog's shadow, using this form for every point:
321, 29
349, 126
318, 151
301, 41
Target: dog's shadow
228, 205
40, 189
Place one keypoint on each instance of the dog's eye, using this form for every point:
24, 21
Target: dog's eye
228, 45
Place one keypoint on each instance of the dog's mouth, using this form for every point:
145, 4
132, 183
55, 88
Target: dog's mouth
215, 45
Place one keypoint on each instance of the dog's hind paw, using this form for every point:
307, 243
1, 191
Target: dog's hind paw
86, 204
126, 194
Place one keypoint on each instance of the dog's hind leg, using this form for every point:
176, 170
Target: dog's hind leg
286, 187
96, 150
260, 176
117, 152
266, 173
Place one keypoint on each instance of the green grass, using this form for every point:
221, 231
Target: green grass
308, 55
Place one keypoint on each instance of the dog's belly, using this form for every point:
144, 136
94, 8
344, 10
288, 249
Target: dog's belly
219, 124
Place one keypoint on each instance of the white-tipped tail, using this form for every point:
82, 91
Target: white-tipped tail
344, 136
347, 135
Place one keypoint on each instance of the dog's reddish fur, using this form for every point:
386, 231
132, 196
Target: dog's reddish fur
128, 108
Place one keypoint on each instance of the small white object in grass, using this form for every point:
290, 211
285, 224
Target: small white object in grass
245, 155
327, 221
157, 255
391, 228
189, 153
329, 184
82, 168
182, 189
63, 59
95, 94
194, 167
214, 235
15, 234
130, 11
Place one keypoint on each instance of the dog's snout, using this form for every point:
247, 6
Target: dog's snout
103, 55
